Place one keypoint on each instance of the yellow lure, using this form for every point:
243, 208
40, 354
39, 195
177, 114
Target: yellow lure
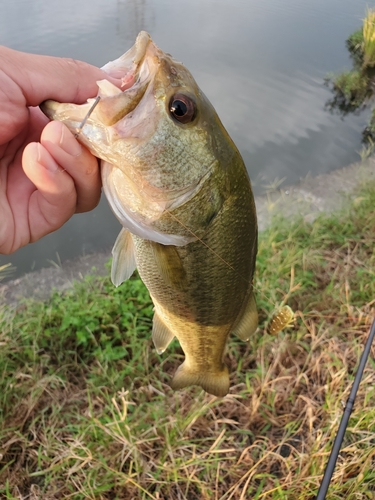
283, 318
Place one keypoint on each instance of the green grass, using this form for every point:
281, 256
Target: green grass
355, 44
354, 87
352, 90
86, 411
369, 39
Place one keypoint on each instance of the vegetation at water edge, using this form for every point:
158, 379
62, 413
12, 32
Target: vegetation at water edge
369, 39
352, 89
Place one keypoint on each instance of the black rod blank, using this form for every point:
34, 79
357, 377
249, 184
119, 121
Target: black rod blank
345, 418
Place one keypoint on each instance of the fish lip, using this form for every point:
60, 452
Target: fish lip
130, 63
131, 69
142, 42
49, 107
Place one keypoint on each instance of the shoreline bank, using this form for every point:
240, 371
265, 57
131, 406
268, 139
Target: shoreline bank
309, 198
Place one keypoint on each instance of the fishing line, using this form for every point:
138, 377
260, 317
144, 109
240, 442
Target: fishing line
209, 248
345, 418
79, 130
225, 262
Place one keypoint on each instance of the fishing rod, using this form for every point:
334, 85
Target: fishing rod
345, 418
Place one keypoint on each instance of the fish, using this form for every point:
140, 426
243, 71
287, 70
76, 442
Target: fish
178, 185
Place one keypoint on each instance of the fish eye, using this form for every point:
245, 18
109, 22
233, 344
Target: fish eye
182, 108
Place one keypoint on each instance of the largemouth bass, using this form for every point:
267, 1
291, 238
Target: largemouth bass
179, 187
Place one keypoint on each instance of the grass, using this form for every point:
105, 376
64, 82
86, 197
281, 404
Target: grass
86, 411
352, 90
354, 44
369, 39
361, 43
6, 271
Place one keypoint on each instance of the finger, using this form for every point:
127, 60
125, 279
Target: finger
47, 77
77, 161
54, 200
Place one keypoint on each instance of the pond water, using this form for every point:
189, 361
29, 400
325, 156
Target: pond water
261, 63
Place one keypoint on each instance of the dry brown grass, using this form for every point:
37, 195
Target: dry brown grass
95, 418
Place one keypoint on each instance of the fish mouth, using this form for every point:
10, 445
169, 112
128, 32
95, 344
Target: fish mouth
110, 129
134, 71
119, 68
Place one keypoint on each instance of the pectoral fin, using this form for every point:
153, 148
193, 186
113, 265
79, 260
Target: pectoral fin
248, 322
169, 265
123, 263
161, 335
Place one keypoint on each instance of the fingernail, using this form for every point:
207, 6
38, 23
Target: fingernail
69, 144
45, 159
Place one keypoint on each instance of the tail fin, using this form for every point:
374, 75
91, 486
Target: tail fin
216, 383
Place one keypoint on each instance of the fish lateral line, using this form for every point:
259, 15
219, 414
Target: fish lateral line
89, 113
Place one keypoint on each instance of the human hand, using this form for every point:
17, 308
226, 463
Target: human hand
45, 174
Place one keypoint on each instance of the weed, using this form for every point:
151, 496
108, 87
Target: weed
355, 44
350, 89
369, 39
6, 271
353, 89
86, 411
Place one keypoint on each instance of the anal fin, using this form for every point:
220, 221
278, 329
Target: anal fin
161, 335
123, 263
248, 321
216, 383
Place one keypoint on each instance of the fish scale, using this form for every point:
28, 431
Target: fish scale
171, 152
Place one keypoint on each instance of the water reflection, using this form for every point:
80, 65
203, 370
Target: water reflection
261, 62
133, 16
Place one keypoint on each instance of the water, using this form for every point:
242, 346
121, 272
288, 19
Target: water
260, 62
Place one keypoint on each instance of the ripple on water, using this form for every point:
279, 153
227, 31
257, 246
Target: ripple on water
260, 62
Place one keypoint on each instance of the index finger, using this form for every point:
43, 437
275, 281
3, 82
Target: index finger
46, 77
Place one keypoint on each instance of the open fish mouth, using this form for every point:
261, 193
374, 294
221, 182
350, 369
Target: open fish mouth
119, 121
126, 66
134, 70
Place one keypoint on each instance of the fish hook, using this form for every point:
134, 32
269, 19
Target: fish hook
89, 113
